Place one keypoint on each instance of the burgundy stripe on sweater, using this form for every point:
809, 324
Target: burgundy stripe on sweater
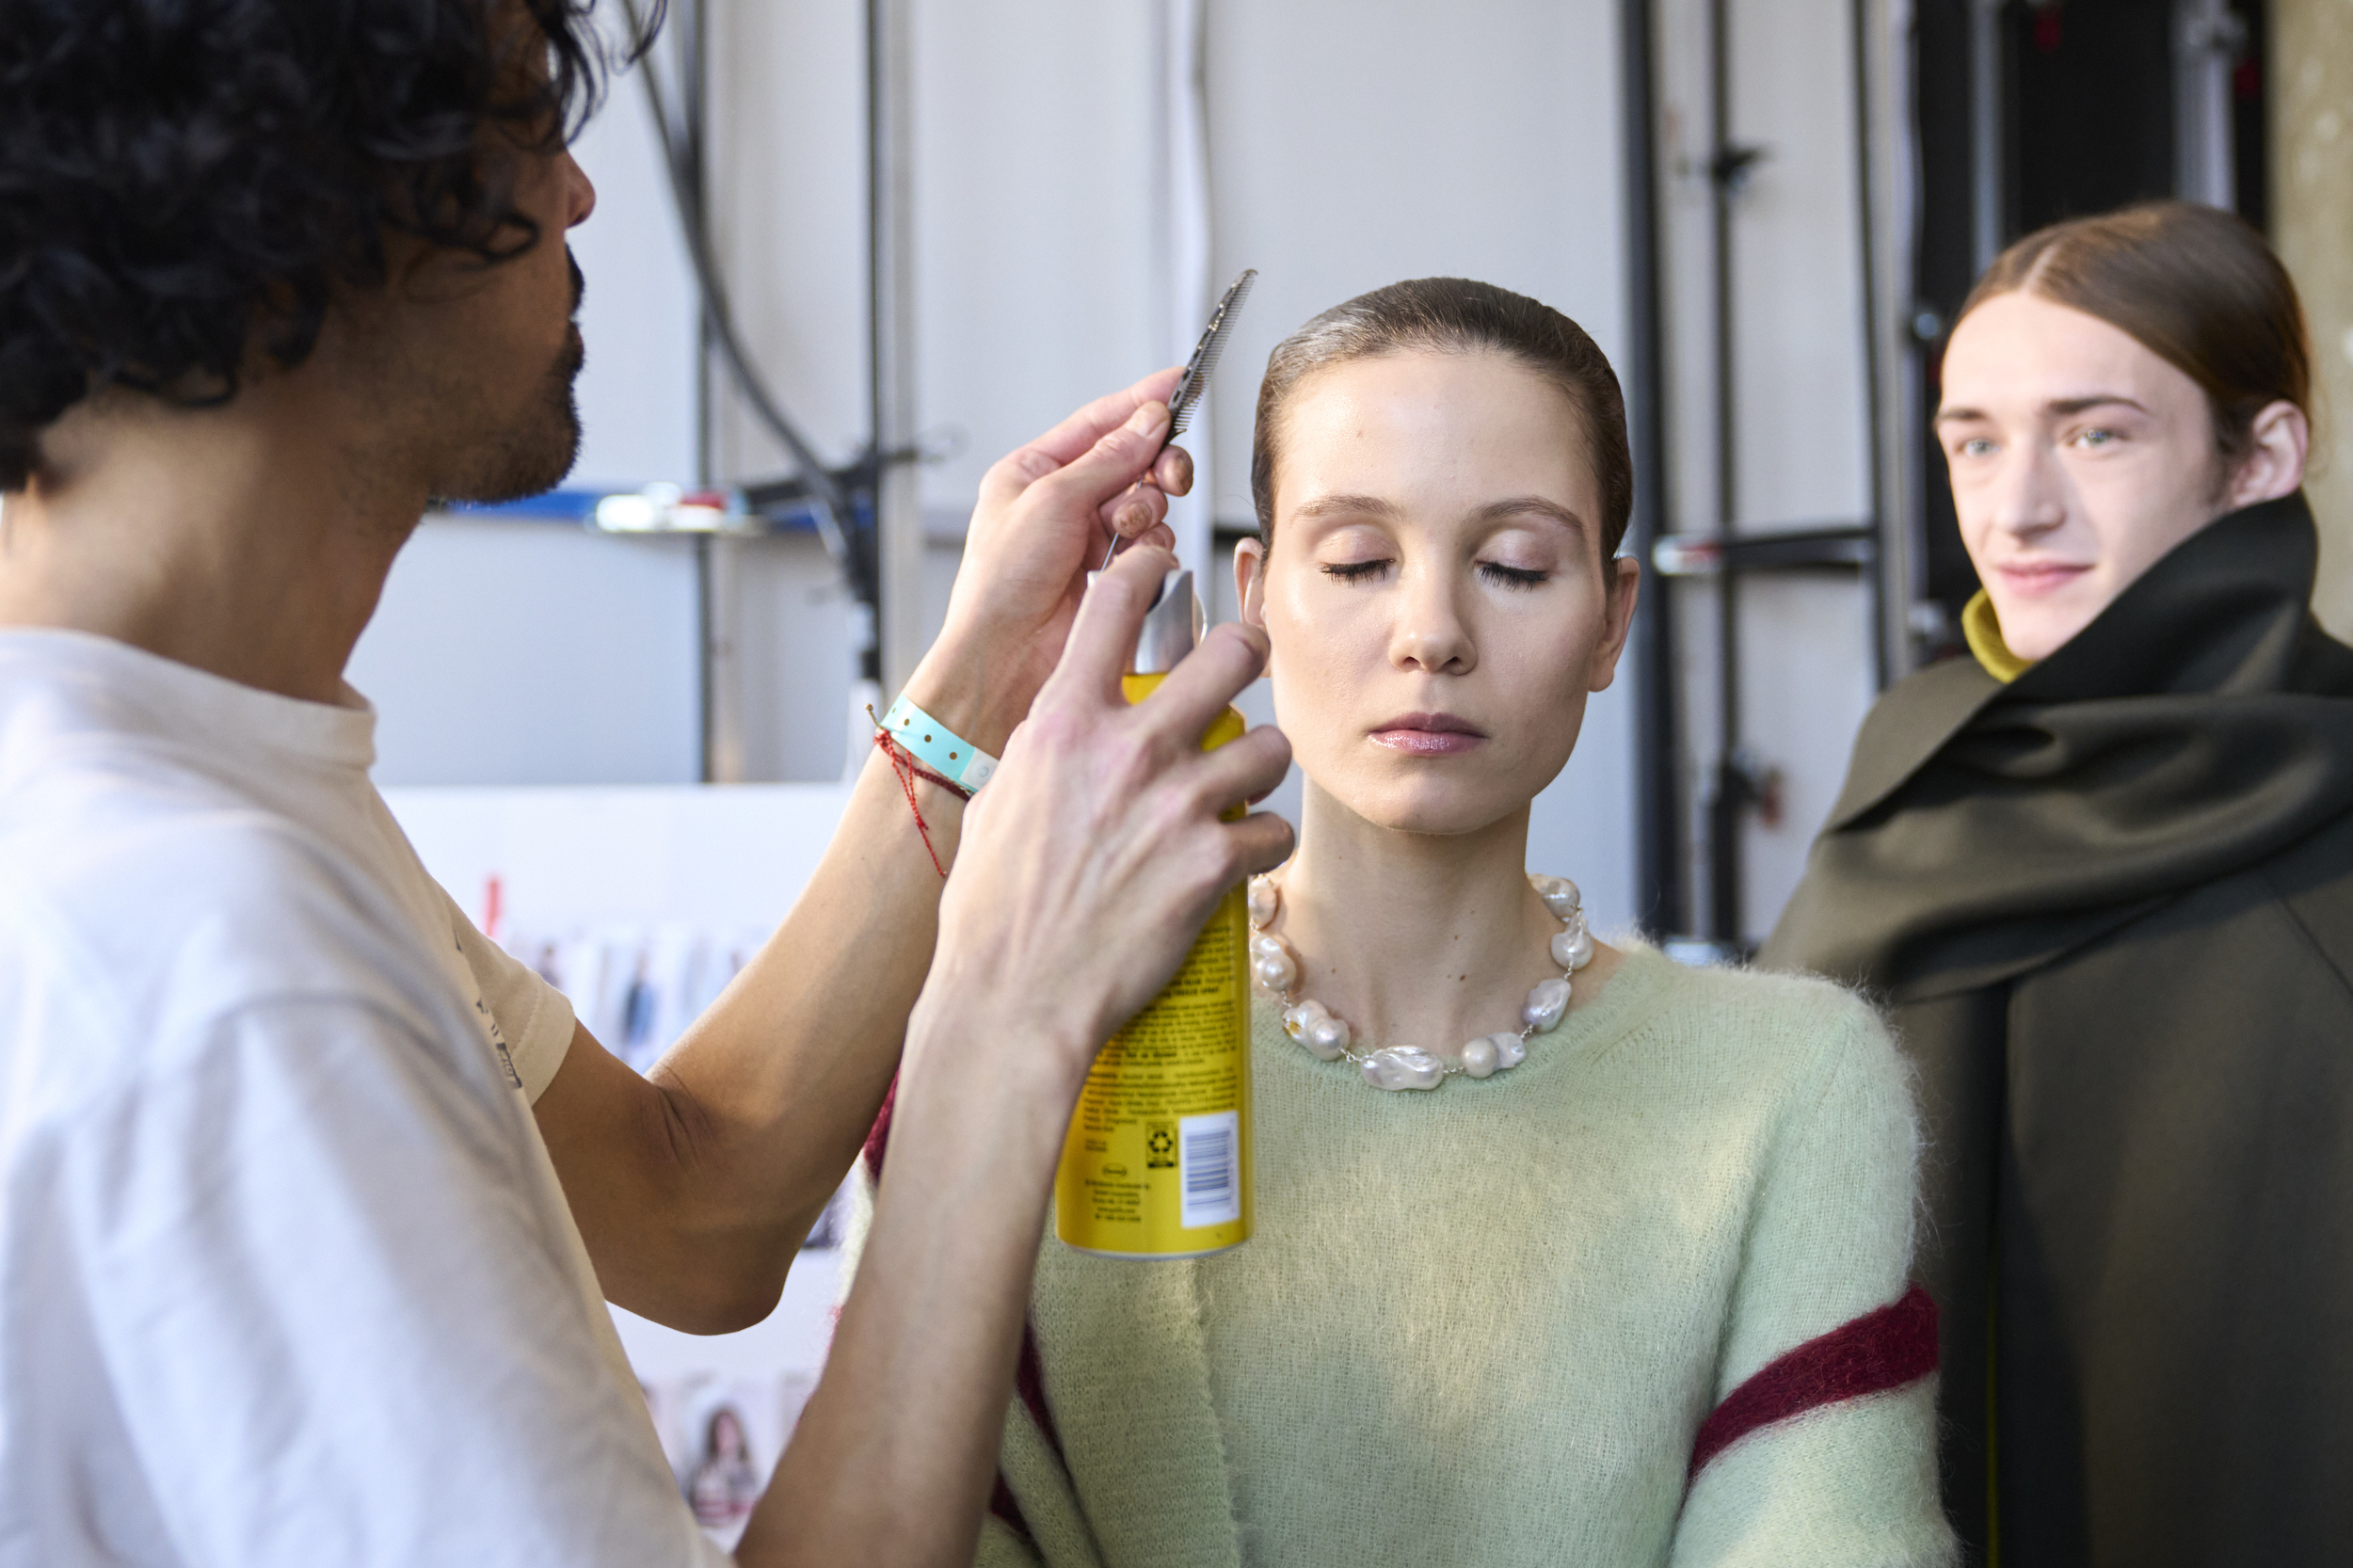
1870, 1355
878, 1136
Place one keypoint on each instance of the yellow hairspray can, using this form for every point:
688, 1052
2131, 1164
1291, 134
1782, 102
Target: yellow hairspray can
1157, 1161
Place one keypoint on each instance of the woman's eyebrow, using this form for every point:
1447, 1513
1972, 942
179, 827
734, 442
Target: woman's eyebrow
1351, 506
1521, 505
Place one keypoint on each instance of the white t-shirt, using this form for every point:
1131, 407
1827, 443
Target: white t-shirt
286, 1276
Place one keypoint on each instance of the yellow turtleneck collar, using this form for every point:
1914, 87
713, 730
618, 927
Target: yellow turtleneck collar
1983, 628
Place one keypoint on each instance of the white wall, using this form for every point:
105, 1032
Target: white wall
1806, 669
1033, 220
534, 653
1357, 144
1351, 145
639, 315
1800, 425
787, 168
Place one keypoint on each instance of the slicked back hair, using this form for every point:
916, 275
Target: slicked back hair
1454, 315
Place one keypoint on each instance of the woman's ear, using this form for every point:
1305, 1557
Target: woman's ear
2274, 466
1250, 581
1626, 587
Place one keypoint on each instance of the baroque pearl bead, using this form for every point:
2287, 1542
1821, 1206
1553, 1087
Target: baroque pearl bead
1296, 1020
1573, 948
1403, 1067
1510, 1050
1265, 898
1560, 895
1546, 1003
1272, 963
1327, 1037
1478, 1058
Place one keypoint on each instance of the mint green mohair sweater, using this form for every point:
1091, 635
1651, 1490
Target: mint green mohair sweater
1482, 1325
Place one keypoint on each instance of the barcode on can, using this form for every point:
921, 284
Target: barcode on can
1208, 1168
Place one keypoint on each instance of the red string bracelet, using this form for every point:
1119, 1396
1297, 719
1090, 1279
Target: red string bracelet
908, 770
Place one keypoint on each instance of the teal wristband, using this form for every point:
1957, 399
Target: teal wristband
936, 747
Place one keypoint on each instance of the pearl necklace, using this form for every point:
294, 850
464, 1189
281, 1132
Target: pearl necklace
1275, 970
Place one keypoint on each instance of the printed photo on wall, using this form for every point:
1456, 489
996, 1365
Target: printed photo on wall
637, 987
723, 1436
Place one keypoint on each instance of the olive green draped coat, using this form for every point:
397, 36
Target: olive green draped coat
2110, 906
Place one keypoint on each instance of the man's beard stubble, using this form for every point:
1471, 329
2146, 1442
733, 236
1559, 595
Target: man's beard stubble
533, 454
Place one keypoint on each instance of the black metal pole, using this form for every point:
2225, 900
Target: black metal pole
694, 91
1659, 852
689, 171
1875, 462
1729, 803
868, 538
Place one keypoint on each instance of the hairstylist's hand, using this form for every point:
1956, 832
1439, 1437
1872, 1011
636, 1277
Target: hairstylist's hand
1046, 514
1087, 867
1091, 861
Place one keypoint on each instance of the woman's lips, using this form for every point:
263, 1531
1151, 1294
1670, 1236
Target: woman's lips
2036, 579
1429, 735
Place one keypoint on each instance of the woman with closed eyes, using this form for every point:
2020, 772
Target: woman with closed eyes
1564, 1253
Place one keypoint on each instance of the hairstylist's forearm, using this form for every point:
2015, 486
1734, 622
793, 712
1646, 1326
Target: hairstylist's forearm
693, 1187
1087, 871
766, 1099
892, 1460
976, 687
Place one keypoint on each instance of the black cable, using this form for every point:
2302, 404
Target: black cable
681, 153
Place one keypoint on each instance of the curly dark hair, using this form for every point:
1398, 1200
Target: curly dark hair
179, 178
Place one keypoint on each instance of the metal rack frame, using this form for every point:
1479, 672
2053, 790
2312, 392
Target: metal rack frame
1735, 550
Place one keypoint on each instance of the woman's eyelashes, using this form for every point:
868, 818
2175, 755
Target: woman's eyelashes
1512, 577
1515, 577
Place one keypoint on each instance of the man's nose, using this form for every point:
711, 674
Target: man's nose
580, 193
2028, 496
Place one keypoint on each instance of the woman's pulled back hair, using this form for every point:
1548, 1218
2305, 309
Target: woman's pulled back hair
183, 180
1454, 315
2194, 285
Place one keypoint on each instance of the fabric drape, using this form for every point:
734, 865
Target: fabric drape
2110, 905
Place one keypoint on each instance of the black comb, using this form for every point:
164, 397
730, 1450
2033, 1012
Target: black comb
1197, 370
1195, 379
